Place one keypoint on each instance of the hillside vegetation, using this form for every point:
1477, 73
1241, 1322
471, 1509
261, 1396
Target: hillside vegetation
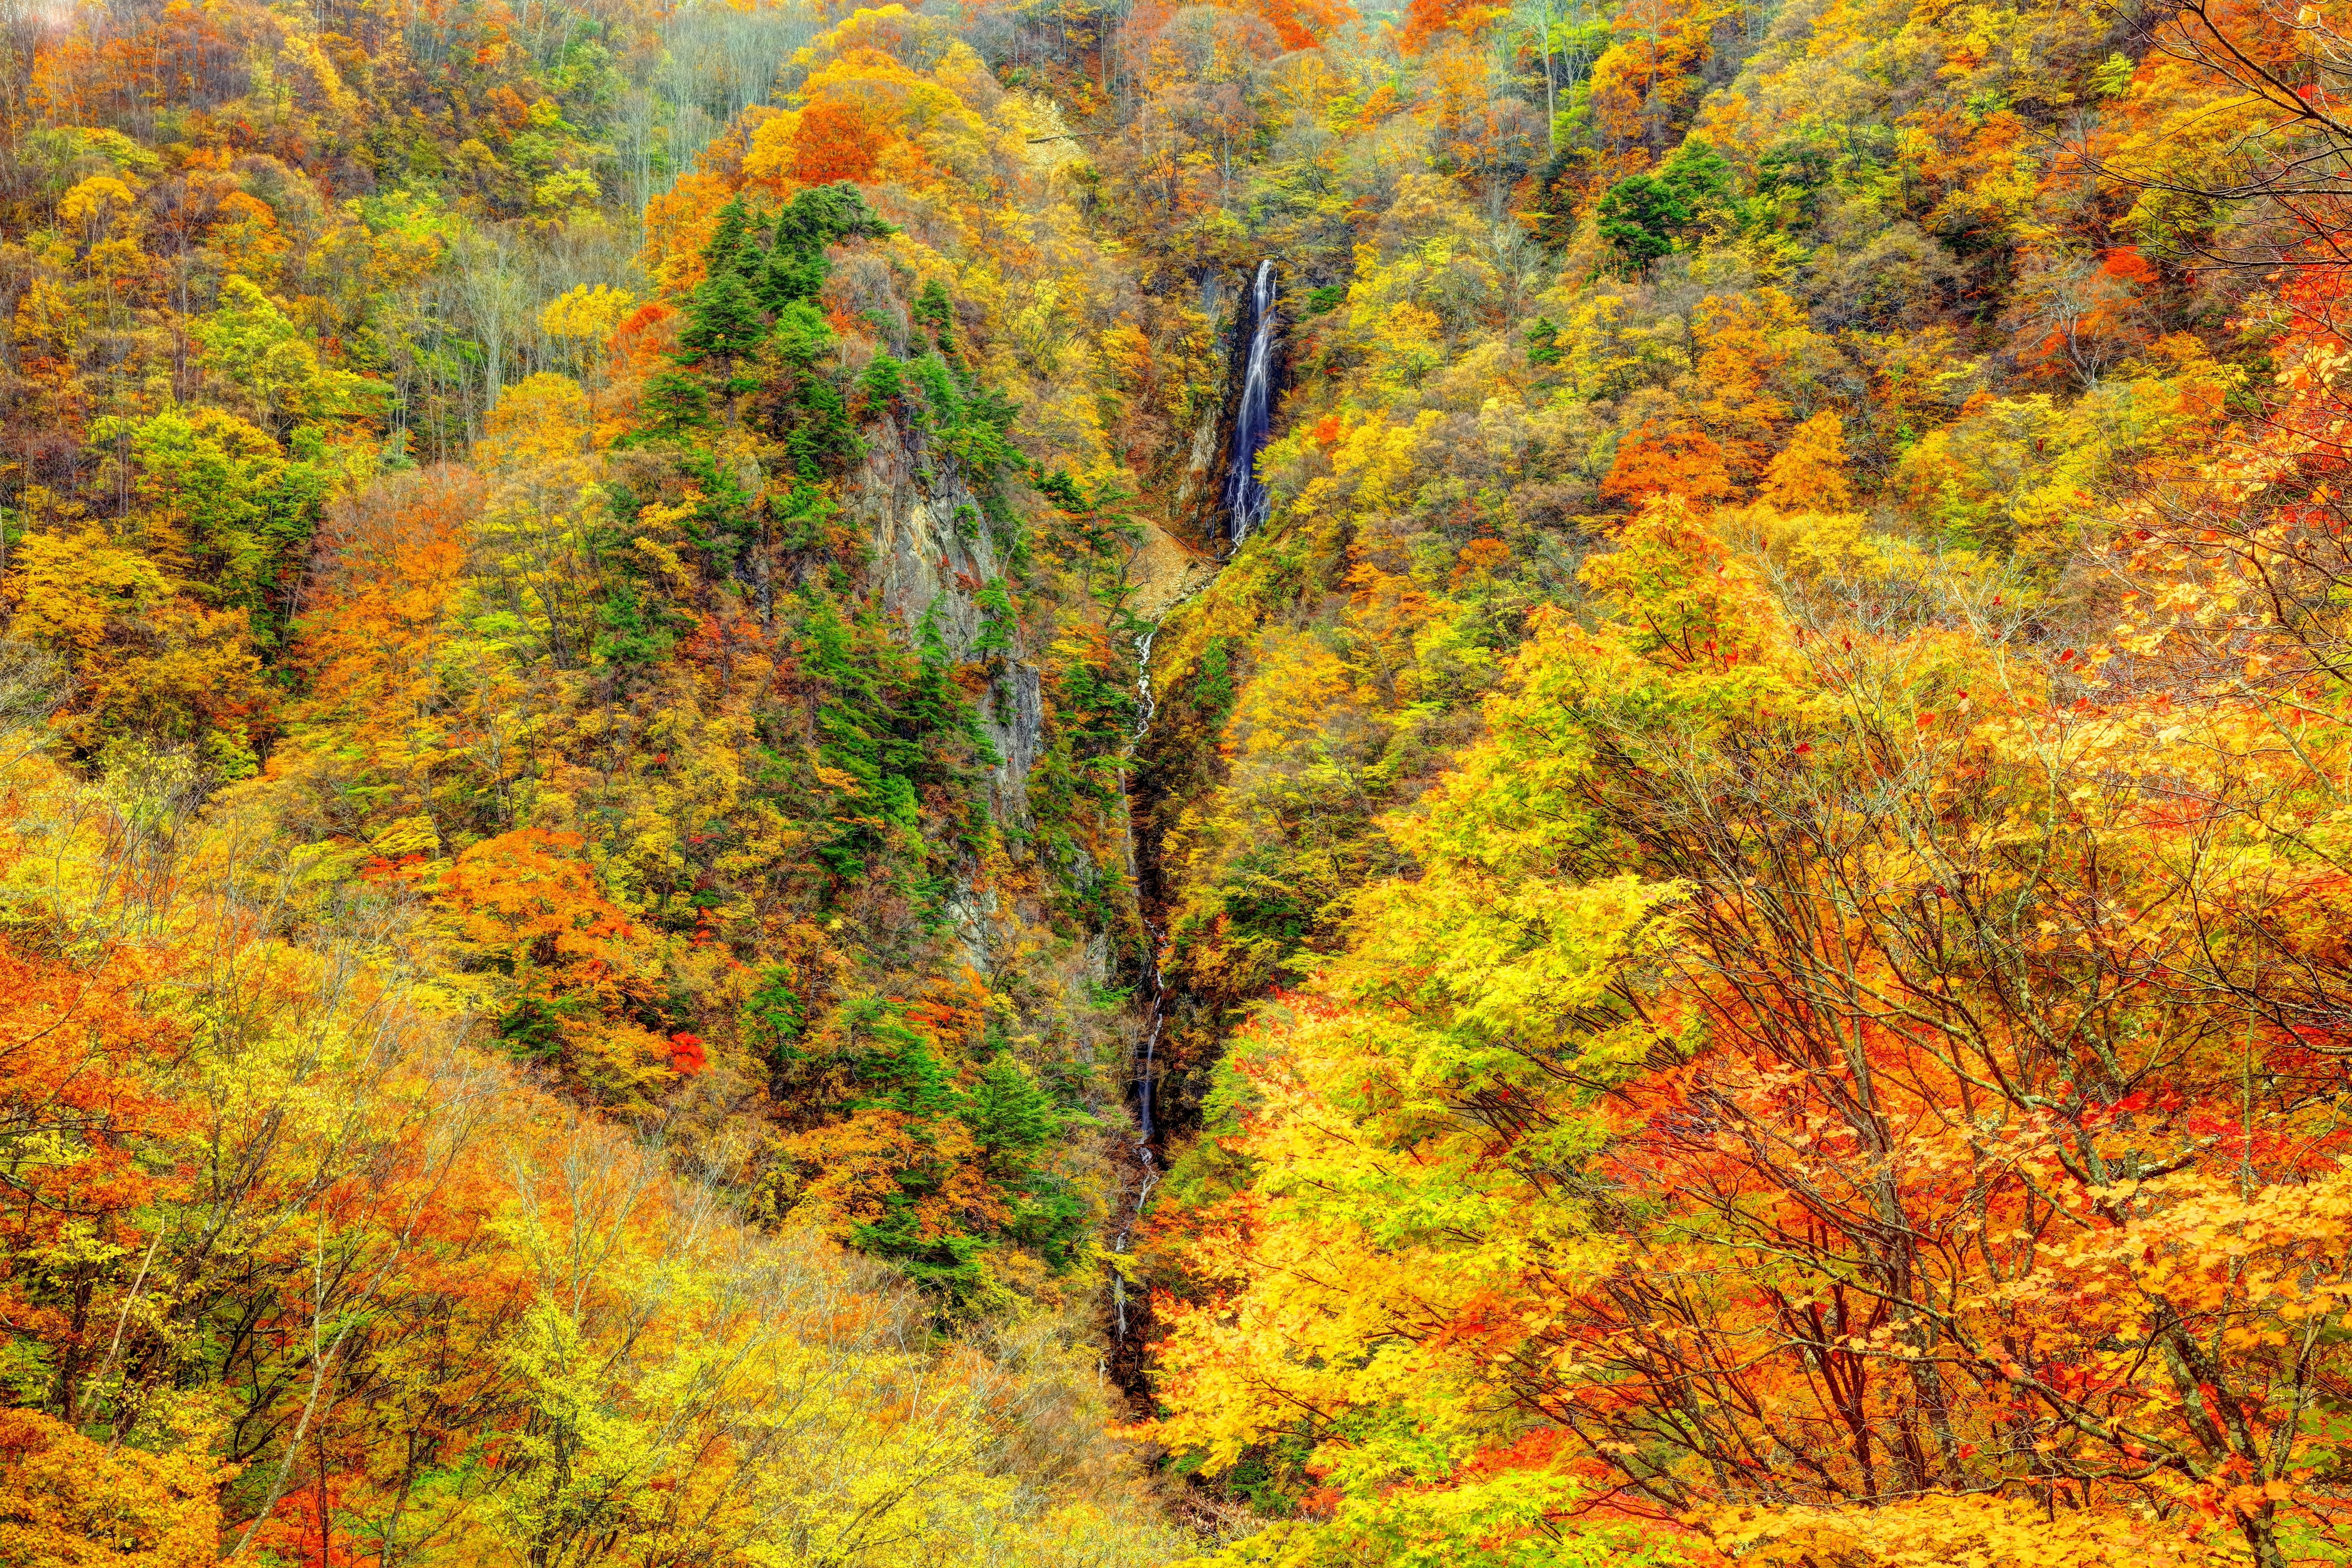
635, 737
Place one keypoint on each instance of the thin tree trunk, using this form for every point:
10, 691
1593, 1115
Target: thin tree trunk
1551, 114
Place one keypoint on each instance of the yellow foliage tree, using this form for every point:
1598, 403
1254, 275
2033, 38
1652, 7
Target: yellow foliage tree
66, 1501
1809, 474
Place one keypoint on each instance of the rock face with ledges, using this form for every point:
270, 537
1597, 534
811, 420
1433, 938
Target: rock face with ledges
933, 554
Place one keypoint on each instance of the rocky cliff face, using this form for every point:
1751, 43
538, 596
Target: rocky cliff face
934, 554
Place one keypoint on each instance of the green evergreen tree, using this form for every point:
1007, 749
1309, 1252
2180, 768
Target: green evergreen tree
1543, 342
934, 310
1640, 216
1012, 1117
1700, 180
723, 324
998, 622
675, 404
796, 266
732, 251
881, 381
775, 1015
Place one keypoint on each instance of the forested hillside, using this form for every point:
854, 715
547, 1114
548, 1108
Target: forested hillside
1104, 783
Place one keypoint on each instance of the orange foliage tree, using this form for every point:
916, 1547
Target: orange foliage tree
1677, 460
573, 977
836, 139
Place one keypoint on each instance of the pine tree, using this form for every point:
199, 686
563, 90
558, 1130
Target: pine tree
1640, 216
1013, 1117
724, 322
676, 403
730, 252
934, 310
796, 267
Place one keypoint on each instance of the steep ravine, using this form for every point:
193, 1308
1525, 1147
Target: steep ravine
932, 555
1131, 1308
1245, 425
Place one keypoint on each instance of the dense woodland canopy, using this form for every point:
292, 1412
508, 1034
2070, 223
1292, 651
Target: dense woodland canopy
670, 895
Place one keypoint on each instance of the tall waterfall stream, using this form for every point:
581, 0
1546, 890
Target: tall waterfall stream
1245, 497
1145, 1161
1245, 504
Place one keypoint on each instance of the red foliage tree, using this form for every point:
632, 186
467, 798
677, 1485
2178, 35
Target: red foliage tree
836, 139
1302, 24
1425, 19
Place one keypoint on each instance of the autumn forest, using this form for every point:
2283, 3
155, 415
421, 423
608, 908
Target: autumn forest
1099, 784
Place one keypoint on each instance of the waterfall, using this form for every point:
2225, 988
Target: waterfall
1245, 497
1147, 704
1147, 1167
1147, 1066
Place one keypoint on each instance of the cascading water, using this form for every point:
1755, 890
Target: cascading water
1245, 505
1147, 1166
1145, 703
1245, 497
